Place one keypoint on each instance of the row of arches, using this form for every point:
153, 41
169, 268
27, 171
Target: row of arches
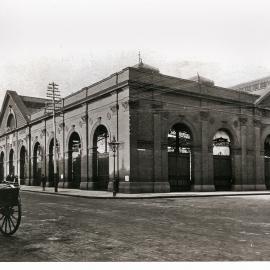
100, 160
11, 166
181, 164
181, 159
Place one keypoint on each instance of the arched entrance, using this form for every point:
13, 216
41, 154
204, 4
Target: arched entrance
180, 158
37, 157
22, 164
11, 162
74, 160
101, 157
267, 161
51, 162
2, 167
222, 161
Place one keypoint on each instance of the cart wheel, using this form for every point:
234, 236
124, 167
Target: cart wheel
10, 218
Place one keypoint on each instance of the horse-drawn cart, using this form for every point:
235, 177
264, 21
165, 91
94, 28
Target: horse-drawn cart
10, 208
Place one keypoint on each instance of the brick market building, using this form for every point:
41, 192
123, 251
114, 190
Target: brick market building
175, 135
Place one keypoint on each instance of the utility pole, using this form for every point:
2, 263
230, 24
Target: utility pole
54, 94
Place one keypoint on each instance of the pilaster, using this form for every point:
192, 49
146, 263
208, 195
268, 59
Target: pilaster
204, 182
243, 127
259, 158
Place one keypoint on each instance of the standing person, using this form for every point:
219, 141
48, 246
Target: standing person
56, 181
8, 178
43, 181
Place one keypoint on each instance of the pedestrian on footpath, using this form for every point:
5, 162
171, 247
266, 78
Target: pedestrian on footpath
43, 181
16, 179
56, 181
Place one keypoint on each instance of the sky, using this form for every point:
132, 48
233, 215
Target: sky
78, 42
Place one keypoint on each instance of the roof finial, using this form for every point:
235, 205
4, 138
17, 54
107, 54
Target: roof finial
140, 59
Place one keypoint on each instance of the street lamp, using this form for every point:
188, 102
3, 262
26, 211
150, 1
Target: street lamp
114, 146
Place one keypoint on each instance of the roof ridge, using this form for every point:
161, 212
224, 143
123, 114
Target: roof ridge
35, 98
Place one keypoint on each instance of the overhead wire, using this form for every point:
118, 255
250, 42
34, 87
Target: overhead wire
155, 85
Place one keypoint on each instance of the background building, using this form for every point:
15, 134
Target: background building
255, 85
174, 134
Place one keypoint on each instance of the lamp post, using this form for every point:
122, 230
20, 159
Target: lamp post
114, 146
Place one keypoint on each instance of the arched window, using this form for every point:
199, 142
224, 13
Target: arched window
22, 163
101, 157
180, 161
221, 143
222, 161
37, 158
11, 162
2, 170
267, 147
179, 139
74, 160
101, 140
11, 121
267, 161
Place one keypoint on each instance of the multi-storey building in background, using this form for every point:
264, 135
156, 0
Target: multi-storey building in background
255, 85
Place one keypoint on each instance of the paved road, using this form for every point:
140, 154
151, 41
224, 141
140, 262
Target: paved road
59, 228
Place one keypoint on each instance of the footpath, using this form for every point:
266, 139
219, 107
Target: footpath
108, 195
